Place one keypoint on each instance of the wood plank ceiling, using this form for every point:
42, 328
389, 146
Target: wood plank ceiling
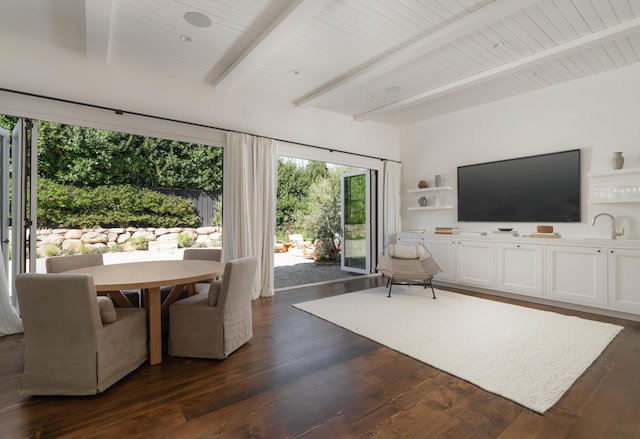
392, 61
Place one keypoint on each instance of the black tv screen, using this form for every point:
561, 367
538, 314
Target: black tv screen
541, 188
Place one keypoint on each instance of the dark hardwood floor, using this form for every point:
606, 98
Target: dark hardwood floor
303, 377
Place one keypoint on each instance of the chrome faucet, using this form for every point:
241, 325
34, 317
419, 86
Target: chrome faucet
614, 234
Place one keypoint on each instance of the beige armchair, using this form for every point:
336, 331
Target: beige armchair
214, 325
205, 254
407, 264
60, 264
75, 342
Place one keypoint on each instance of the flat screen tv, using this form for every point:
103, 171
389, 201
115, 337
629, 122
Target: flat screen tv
540, 188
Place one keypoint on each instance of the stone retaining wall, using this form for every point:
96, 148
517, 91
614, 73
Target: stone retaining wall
100, 239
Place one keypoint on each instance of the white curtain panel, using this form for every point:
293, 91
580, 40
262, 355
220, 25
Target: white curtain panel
391, 202
249, 200
10, 323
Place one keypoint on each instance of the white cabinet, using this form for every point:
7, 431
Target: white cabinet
475, 263
439, 198
463, 261
576, 274
624, 279
519, 268
444, 251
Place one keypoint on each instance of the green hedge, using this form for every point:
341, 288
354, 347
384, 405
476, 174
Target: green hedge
111, 206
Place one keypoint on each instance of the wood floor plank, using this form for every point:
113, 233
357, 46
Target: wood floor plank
302, 377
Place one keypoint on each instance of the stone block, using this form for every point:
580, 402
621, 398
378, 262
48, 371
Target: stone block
168, 237
95, 237
123, 238
73, 245
73, 234
161, 231
162, 245
53, 239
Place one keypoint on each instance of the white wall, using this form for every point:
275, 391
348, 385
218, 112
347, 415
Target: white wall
599, 115
44, 70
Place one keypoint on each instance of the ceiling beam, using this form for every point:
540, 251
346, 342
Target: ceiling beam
452, 32
98, 27
511, 67
295, 16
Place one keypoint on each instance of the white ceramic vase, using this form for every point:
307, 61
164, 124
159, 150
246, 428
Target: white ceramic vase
617, 161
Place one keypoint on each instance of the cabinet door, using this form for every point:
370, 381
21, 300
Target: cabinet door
519, 268
576, 274
624, 280
475, 263
444, 251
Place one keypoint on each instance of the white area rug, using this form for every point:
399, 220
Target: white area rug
528, 356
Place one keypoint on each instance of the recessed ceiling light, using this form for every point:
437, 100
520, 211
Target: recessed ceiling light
534, 74
294, 72
370, 96
393, 89
186, 38
197, 19
498, 45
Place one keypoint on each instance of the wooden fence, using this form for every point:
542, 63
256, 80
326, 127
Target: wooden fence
203, 201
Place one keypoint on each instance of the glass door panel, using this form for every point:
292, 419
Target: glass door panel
356, 222
23, 199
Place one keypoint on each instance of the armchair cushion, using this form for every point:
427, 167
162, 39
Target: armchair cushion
107, 310
214, 292
407, 251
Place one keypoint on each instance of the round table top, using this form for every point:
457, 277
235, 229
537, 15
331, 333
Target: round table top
150, 274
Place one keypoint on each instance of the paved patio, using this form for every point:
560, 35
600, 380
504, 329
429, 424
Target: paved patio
291, 269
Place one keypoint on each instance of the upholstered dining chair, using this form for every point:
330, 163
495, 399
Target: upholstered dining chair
60, 264
404, 264
75, 342
216, 324
205, 254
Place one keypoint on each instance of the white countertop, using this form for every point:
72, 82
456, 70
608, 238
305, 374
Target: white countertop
509, 238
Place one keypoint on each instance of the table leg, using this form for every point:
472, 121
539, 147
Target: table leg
171, 299
119, 299
152, 303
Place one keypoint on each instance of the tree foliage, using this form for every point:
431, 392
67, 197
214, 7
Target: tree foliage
293, 201
110, 206
323, 220
81, 156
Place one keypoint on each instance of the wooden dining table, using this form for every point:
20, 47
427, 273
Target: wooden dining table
149, 276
